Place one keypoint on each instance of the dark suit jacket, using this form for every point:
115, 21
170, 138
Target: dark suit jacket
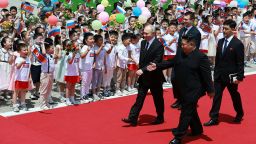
193, 32
192, 75
153, 54
232, 61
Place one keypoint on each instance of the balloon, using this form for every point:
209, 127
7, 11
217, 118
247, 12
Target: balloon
136, 11
120, 18
246, 2
163, 1
142, 19
100, 8
180, 1
223, 4
216, 2
112, 17
105, 3
140, 3
52, 20
96, 25
146, 12
4, 3
128, 3
103, 16
233, 3
242, 4
227, 1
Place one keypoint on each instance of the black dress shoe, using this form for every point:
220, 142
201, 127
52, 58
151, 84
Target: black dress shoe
175, 141
176, 104
211, 122
238, 119
194, 133
127, 120
158, 121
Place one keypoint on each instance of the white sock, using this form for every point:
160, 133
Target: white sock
72, 99
62, 94
67, 100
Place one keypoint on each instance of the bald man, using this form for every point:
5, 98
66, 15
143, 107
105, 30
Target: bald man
151, 52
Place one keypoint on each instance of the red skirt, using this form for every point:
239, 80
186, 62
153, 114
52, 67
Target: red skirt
204, 51
168, 57
132, 67
21, 85
72, 79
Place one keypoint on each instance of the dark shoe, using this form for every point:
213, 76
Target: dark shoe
238, 119
33, 97
176, 104
211, 122
175, 141
127, 120
158, 121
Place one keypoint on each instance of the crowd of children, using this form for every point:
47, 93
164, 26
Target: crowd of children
103, 62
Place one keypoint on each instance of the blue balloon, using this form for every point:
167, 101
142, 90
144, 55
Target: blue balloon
136, 11
242, 4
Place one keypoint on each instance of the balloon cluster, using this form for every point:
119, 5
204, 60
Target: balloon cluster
232, 3
141, 11
4, 3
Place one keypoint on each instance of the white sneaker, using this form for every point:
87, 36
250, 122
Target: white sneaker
44, 107
24, 107
118, 93
72, 100
68, 102
16, 108
129, 89
95, 97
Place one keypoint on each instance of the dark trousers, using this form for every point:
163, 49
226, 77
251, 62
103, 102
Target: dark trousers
157, 93
235, 96
188, 118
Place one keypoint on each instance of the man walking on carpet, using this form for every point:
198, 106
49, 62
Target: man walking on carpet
193, 75
151, 51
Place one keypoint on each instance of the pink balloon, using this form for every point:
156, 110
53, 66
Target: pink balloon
103, 17
52, 20
163, 1
4, 3
100, 8
140, 4
146, 12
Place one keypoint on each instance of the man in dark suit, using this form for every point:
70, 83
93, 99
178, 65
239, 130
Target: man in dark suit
151, 51
229, 60
193, 75
191, 31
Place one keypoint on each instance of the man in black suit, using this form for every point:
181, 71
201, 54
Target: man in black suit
193, 75
191, 31
229, 60
151, 51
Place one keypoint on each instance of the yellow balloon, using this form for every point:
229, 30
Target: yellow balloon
105, 3
112, 17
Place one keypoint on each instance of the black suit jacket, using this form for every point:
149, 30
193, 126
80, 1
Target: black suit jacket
193, 32
232, 61
192, 75
153, 54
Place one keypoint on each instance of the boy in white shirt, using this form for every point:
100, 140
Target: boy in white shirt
109, 62
122, 60
98, 66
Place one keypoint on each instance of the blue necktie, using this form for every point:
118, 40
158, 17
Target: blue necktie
225, 46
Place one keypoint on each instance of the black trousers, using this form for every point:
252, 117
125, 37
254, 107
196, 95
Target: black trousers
157, 93
188, 118
235, 96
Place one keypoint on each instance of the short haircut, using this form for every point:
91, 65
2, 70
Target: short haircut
189, 38
246, 14
126, 36
48, 42
36, 35
113, 32
20, 46
230, 23
4, 39
97, 38
191, 14
13, 8
165, 20
86, 36
174, 23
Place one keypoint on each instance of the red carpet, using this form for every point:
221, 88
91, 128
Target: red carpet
100, 123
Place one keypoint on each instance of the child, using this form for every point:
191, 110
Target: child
86, 65
171, 48
134, 54
122, 60
109, 62
21, 78
164, 26
99, 66
47, 74
5, 62
72, 72
36, 66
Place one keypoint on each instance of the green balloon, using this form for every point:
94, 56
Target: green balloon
96, 25
120, 18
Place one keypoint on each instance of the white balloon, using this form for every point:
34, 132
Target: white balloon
142, 19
